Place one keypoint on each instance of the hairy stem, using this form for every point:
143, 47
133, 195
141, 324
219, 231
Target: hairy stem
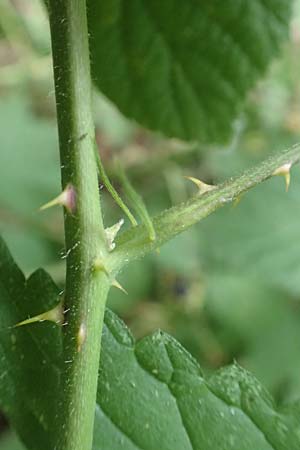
86, 284
135, 242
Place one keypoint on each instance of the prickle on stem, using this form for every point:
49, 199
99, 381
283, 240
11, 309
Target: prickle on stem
203, 187
284, 171
237, 199
67, 199
98, 266
117, 285
55, 315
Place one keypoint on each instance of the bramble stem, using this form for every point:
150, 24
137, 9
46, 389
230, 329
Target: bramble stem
87, 281
86, 287
135, 243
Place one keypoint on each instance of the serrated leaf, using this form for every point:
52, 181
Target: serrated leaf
152, 394
259, 323
29, 356
183, 68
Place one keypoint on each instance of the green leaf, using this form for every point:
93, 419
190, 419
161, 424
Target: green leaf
183, 68
27, 138
10, 442
30, 356
258, 323
31, 177
152, 394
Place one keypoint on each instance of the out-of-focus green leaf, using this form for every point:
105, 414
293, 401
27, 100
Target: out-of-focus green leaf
10, 442
138, 280
183, 68
261, 325
29, 159
29, 356
29, 162
259, 237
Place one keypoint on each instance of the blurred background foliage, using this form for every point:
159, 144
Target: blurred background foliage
228, 289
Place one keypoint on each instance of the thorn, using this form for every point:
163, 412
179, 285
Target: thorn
67, 199
237, 199
284, 170
116, 284
99, 266
55, 315
111, 233
81, 336
203, 187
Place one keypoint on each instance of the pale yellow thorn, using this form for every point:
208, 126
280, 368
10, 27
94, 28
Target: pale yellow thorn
203, 187
284, 170
54, 315
56, 201
287, 181
99, 266
117, 285
237, 200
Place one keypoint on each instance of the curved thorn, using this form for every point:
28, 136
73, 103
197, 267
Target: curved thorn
284, 170
203, 187
117, 285
55, 315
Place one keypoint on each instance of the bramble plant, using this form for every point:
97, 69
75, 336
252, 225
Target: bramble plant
182, 69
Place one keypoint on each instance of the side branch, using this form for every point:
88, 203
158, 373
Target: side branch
135, 242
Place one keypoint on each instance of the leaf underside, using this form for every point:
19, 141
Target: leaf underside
183, 68
152, 394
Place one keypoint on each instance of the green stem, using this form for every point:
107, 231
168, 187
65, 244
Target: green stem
134, 243
86, 287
